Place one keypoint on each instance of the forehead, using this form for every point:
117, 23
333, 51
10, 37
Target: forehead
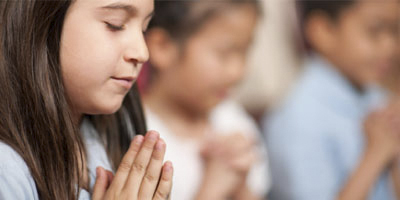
141, 7
385, 9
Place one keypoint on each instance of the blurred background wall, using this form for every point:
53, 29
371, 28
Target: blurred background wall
274, 59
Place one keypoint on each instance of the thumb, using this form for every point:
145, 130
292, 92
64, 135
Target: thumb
101, 184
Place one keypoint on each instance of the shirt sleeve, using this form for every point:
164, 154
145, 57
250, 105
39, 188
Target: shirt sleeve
16, 183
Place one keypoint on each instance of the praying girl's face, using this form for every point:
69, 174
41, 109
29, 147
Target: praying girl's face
102, 50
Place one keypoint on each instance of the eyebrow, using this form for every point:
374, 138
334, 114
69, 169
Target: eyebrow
125, 7
120, 6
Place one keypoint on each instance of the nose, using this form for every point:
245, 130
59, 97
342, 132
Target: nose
136, 50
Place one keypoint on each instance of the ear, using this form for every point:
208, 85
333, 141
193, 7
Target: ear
163, 49
321, 33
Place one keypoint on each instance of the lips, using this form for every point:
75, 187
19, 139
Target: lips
127, 78
125, 82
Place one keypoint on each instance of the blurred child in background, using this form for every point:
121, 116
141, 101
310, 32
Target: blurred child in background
320, 144
198, 52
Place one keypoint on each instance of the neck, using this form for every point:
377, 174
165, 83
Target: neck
355, 84
357, 87
77, 118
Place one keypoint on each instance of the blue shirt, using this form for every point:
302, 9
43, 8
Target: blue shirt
16, 181
315, 139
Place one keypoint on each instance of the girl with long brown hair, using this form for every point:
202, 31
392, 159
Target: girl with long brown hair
66, 68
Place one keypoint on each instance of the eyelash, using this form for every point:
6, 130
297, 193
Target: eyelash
114, 27
119, 28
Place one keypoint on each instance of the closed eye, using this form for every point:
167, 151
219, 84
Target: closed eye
113, 27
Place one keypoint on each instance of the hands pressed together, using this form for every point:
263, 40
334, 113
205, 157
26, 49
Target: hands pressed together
382, 130
142, 173
228, 159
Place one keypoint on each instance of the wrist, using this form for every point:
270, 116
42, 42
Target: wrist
207, 192
211, 190
244, 193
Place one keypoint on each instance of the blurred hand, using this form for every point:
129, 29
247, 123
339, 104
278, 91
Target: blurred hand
236, 150
141, 174
228, 160
382, 130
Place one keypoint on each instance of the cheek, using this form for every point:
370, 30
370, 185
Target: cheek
86, 69
207, 84
373, 62
359, 54
88, 52
207, 68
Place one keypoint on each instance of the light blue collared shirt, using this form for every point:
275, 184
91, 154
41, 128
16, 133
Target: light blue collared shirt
16, 182
315, 139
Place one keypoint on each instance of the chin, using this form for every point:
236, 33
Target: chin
109, 108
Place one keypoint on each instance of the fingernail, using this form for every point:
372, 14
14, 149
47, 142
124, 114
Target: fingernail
168, 166
152, 136
138, 139
160, 145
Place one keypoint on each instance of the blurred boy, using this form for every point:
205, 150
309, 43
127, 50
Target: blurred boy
317, 143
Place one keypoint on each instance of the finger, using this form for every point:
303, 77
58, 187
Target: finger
210, 144
152, 176
165, 185
244, 162
101, 184
126, 164
221, 146
238, 145
110, 176
212, 150
140, 163
244, 145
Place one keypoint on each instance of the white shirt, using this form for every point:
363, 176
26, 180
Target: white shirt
226, 118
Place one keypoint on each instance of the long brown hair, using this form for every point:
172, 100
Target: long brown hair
35, 118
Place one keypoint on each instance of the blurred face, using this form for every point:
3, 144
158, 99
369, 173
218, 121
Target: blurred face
102, 51
214, 58
365, 40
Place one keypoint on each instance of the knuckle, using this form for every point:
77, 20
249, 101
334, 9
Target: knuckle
138, 167
157, 156
150, 177
166, 179
148, 145
160, 194
125, 166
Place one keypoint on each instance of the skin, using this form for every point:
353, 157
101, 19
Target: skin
361, 44
102, 51
382, 130
392, 81
211, 56
208, 65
